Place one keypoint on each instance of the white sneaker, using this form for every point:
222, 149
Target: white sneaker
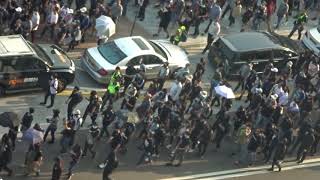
102, 165
191, 150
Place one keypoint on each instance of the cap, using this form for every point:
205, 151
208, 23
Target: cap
274, 96
83, 9
70, 11
18, 9
274, 69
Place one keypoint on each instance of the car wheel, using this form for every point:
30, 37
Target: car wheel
62, 84
2, 91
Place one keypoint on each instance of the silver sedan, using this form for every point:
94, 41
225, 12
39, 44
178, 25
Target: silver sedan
101, 61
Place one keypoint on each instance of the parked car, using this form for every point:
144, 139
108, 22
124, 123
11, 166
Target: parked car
25, 66
311, 40
101, 61
232, 51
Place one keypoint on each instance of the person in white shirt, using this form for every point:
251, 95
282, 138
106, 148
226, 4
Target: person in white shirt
213, 33
52, 91
52, 20
35, 23
163, 75
175, 91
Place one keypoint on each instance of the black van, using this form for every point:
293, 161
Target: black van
232, 51
24, 65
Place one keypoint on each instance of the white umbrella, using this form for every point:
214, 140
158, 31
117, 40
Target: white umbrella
224, 91
105, 26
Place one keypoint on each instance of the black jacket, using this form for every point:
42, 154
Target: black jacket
280, 152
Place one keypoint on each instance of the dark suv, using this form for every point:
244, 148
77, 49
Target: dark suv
232, 51
24, 65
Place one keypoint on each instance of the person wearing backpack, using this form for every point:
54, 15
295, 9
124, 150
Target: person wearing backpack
73, 100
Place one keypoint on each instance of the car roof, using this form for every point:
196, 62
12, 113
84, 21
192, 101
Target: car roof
133, 45
14, 45
250, 41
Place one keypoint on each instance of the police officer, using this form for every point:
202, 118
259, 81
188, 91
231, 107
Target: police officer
299, 24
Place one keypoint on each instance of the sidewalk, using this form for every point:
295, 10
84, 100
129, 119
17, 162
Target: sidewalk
151, 22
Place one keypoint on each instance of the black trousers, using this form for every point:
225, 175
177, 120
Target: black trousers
71, 107
275, 162
52, 131
141, 13
50, 27
209, 42
203, 147
52, 97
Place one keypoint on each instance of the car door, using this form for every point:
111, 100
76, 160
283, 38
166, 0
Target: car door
12, 78
153, 64
135, 62
261, 59
30, 69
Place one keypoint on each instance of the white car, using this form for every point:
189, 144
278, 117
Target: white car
311, 40
101, 61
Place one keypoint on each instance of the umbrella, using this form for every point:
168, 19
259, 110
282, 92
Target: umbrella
33, 136
9, 119
105, 26
224, 91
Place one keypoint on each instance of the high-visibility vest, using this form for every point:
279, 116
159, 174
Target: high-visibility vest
113, 88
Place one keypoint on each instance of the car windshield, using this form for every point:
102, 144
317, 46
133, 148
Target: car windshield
41, 53
285, 42
111, 52
158, 49
224, 50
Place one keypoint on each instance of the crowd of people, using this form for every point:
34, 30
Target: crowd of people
274, 121
67, 27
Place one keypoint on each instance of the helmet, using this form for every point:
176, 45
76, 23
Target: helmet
183, 28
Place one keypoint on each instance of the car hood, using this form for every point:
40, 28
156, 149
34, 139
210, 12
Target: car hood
57, 57
315, 34
176, 55
99, 59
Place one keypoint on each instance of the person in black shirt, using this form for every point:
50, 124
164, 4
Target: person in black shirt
204, 139
180, 149
73, 100
27, 120
279, 155
6, 154
57, 169
108, 117
112, 164
306, 144
200, 68
76, 154
165, 16
93, 97
130, 72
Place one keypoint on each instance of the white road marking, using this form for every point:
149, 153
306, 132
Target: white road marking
300, 166
240, 171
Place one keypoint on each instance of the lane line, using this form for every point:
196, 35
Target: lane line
300, 166
241, 170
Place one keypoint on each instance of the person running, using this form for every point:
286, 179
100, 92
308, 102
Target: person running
298, 24
111, 165
76, 154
